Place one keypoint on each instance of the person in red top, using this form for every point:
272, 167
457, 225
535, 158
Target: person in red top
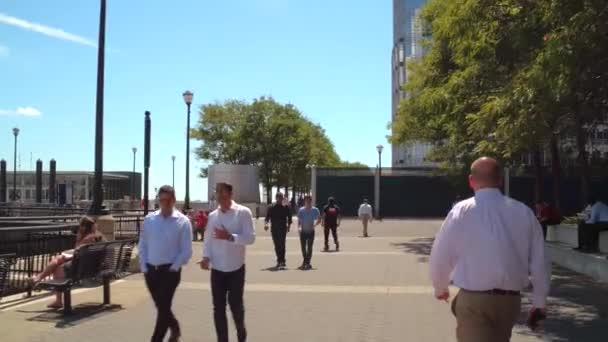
547, 215
200, 221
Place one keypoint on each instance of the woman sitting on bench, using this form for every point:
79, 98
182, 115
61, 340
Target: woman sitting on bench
87, 234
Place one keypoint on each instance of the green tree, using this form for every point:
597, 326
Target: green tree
277, 138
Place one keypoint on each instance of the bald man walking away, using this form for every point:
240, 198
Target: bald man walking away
488, 246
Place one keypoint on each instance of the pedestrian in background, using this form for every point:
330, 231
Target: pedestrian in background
230, 230
365, 215
308, 218
165, 245
279, 218
489, 246
331, 222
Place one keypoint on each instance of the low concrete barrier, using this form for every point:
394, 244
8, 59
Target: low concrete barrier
592, 265
563, 233
603, 242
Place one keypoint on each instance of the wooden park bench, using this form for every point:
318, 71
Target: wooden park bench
102, 260
6, 260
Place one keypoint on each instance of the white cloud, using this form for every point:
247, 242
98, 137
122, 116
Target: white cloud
4, 51
21, 111
45, 30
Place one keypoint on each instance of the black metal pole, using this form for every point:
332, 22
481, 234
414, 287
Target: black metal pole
187, 199
173, 183
133, 178
3, 189
147, 129
97, 204
379, 183
14, 197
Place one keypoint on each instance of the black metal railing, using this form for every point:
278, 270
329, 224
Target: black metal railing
127, 226
33, 248
21, 211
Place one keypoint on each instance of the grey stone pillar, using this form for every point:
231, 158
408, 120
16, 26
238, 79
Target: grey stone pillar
53, 182
3, 189
313, 184
38, 181
377, 192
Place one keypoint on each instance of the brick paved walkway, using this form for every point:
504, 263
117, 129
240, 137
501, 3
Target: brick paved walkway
375, 290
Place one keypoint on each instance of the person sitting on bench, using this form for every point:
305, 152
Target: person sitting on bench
599, 211
59, 265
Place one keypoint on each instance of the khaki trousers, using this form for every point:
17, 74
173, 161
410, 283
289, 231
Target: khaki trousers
365, 220
484, 317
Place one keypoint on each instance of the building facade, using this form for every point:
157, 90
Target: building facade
75, 186
408, 38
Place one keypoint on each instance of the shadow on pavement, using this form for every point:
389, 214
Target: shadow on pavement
577, 308
81, 313
419, 246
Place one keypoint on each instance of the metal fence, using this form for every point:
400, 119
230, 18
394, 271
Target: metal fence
33, 247
127, 226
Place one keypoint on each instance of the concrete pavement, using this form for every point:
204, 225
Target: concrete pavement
375, 289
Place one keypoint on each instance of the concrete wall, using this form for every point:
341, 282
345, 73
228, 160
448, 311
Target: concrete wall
244, 179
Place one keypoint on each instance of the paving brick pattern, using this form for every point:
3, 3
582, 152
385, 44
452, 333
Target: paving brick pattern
374, 290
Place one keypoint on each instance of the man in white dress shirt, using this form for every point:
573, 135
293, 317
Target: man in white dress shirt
365, 215
488, 246
229, 230
165, 245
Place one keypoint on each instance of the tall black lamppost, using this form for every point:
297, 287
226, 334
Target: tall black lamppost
15, 133
134, 149
188, 100
173, 160
379, 148
97, 204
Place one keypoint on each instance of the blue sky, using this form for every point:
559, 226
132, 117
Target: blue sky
329, 58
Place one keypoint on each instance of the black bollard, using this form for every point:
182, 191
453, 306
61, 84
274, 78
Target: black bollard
3, 181
53, 182
38, 181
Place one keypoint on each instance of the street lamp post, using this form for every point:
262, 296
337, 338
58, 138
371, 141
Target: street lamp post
173, 178
134, 149
379, 148
188, 100
97, 204
15, 133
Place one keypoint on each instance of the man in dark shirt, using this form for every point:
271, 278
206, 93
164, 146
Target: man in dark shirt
279, 217
331, 222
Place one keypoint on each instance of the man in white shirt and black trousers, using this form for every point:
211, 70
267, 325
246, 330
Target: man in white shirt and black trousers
229, 229
165, 245
489, 246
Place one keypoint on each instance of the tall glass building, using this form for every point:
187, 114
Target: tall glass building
407, 45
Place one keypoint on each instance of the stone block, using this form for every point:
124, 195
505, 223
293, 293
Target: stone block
603, 242
563, 233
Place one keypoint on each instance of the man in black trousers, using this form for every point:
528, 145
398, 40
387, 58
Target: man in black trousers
165, 245
229, 230
279, 217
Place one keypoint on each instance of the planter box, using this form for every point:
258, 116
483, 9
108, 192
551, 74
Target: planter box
603, 242
564, 233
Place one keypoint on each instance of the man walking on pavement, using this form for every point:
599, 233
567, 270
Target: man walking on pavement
308, 218
165, 245
365, 215
489, 246
229, 230
331, 222
279, 217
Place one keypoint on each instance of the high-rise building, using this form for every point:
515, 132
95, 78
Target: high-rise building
407, 46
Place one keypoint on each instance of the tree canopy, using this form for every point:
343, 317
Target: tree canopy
506, 78
276, 137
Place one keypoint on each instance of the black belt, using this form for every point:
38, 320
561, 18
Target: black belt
164, 267
498, 292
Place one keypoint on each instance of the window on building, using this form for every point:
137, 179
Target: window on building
28, 194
